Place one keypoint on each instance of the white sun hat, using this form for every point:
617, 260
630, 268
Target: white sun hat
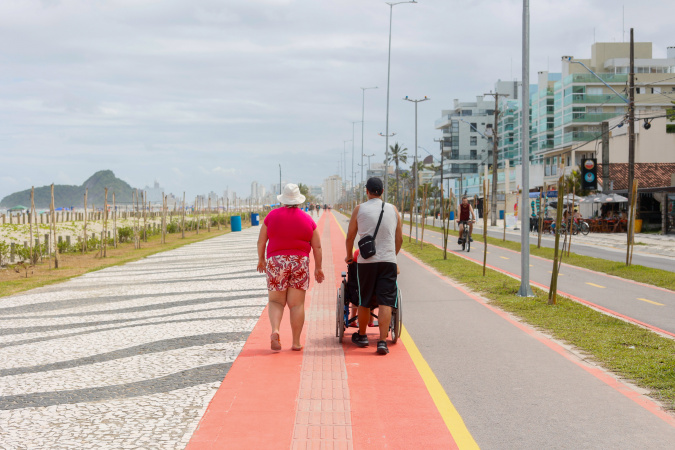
291, 195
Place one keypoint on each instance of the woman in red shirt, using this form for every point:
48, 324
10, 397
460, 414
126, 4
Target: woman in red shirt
291, 233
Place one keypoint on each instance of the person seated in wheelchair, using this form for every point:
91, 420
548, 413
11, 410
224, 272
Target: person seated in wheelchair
353, 294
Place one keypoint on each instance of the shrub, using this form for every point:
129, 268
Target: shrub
4, 252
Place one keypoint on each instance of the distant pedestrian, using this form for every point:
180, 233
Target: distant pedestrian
291, 233
377, 273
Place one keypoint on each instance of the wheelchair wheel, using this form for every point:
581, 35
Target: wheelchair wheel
340, 313
396, 320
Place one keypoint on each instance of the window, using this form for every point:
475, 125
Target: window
639, 90
474, 126
594, 91
466, 112
474, 154
656, 90
474, 140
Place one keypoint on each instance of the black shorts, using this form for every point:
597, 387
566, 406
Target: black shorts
378, 280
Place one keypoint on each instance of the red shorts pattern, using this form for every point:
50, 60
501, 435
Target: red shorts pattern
286, 271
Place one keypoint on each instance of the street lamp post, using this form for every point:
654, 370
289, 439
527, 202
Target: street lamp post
415, 174
353, 173
344, 164
280, 179
386, 131
525, 289
363, 118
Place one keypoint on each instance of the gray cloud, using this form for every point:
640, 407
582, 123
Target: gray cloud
203, 94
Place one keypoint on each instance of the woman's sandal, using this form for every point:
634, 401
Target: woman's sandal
297, 349
276, 342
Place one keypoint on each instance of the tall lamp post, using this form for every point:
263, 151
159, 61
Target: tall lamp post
353, 173
280, 179
415, 176
344, 164
386, 131
525, 289
363, 118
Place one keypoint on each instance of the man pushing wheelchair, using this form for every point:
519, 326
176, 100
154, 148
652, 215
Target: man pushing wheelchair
379, 225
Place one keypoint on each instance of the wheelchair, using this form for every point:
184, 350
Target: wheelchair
347, 291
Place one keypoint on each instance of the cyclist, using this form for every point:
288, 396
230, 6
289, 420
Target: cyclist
466, 215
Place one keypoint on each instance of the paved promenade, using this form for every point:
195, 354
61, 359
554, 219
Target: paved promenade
130, 356
173, 351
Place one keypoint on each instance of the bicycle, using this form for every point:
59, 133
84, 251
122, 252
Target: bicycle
466, 235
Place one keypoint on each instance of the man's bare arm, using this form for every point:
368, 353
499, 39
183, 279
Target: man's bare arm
351, 235
398, 238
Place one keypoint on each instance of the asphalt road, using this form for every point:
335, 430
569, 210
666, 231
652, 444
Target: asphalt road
513, 387
610, 254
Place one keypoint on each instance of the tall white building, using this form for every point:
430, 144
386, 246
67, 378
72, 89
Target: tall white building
254, 190
332, 189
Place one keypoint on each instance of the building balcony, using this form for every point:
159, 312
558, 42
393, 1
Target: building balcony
584, 99
463, 159
587, 78
579, 117
444, 121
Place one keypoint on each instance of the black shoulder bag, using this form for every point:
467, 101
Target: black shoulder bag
367, 242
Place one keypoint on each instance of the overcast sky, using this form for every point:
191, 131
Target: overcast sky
204, 94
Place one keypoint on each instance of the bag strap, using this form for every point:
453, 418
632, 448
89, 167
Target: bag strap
379, 221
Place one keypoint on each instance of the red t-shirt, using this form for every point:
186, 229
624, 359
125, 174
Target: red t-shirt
289, 231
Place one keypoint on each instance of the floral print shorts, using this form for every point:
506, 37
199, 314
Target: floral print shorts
286, 271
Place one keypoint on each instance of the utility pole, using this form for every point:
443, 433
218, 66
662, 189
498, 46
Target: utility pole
280, 179
605, 157
631, 139
495, 147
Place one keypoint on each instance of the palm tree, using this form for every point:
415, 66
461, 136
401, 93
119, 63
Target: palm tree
398, 156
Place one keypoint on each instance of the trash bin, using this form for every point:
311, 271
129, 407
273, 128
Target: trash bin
452, 215
255, 219
501, 214
235, 223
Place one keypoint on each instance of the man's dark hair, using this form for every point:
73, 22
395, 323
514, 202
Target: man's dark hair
374, 186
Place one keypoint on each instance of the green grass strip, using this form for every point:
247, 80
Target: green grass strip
642, 274
637, 354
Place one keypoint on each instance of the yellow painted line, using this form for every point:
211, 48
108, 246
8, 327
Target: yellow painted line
652, 302
453, 421
559, 274
503, 257
450, 416
595, 285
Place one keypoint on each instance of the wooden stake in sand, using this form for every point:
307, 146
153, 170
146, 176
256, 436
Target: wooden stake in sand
84, 230
30, 221
114, 222
182, 227
105, 225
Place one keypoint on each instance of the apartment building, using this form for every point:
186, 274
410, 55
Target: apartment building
582, 102
466, 129
332, 189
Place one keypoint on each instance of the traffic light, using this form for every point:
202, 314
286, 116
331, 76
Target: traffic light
589, 174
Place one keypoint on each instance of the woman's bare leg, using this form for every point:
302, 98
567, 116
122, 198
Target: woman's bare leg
275, 308
296, 305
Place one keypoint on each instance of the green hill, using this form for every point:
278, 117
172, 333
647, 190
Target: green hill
67, 196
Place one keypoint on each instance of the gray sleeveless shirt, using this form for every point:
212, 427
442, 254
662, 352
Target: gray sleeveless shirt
385, 244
